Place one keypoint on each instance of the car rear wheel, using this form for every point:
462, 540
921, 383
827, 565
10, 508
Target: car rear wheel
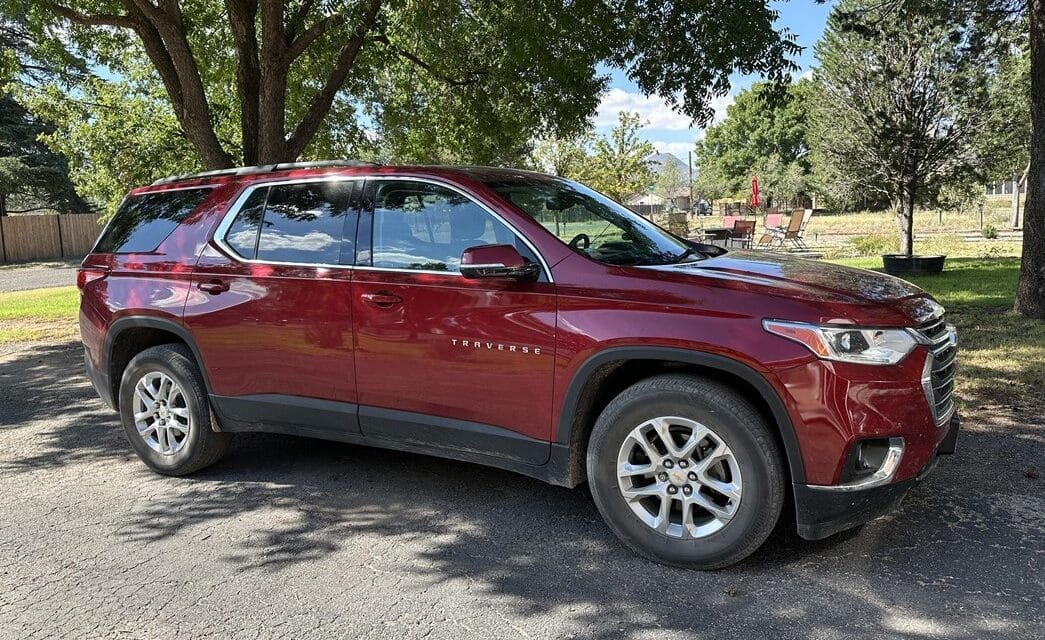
686, 472
166, 413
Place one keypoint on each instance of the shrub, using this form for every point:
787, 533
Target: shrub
990, 232
678, 223
873, 245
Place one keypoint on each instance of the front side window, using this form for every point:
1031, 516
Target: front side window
296, 223
592, 224
426, 227
142, 222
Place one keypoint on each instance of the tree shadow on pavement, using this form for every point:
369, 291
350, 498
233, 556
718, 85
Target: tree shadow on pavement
961, 559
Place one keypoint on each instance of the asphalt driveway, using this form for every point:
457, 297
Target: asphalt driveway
17, 277
296, 538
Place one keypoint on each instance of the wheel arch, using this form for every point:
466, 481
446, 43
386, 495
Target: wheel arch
130, 335
604, 374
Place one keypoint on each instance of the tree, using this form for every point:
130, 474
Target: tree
1005, 142
618, 166
116, 134
670, 182
529, 65
32, 177
1030, 288
758, 134
904, 95
564, 157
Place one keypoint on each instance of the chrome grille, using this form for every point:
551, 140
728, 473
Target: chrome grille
940, 367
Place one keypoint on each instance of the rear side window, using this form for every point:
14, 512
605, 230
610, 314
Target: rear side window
143, 222
308, 223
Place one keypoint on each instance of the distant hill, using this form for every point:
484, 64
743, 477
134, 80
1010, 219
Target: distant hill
658, 160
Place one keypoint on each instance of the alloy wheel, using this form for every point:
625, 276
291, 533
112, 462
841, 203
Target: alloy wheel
679, 477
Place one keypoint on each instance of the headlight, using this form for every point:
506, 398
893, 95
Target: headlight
847, 343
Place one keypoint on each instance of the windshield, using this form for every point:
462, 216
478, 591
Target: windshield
592, 224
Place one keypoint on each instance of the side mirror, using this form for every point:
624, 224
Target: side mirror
497, 261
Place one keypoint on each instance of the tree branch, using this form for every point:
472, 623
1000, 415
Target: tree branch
324, 98
95, 20
474, 76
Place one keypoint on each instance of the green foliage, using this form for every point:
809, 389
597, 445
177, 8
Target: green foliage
32, 176
405, 80
990, 232
563, 157
873, 245
116, 134
759, 137
670, 182
678, 223
618, 166
903, 91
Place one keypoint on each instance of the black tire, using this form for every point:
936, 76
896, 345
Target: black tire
202, 446
732, 419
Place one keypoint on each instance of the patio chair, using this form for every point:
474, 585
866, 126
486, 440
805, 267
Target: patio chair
773, 221
796, 228
743, 233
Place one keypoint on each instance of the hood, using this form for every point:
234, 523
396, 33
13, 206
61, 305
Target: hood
817, 281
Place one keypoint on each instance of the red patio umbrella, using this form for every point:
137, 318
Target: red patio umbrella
754, 191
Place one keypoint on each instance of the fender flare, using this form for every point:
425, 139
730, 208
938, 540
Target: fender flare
150, 322
571, 399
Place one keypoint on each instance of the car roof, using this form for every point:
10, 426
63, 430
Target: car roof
334, 168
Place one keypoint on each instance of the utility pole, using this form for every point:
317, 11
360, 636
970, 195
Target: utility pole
689, 157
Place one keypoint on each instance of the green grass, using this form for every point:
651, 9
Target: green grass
39, 314
1002, 354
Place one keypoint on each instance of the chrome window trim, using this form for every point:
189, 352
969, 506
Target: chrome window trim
226, 222
439, 183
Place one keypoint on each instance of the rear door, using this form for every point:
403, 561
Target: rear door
270, 307
442, 360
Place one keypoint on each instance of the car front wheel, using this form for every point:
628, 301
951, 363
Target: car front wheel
686, 472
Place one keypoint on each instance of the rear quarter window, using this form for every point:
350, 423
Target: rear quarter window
142, 222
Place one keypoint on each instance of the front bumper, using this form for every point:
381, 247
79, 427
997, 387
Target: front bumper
823, 511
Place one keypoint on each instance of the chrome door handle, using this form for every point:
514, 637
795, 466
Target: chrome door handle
382, 299
214, 287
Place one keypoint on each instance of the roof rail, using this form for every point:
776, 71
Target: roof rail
266, 168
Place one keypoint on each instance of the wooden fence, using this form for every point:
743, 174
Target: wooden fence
26, 238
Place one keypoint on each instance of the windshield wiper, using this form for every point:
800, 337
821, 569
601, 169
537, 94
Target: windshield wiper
685, 254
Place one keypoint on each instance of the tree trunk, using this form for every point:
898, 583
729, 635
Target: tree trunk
3, 204
1030, 289
905, 213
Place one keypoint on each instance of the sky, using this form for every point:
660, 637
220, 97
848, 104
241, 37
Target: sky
670, 131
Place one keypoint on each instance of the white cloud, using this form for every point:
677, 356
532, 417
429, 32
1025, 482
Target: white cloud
680, 149
651, 109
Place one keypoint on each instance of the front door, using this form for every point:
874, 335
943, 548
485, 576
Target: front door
442, 360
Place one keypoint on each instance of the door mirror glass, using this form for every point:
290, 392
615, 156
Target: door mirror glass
497, 261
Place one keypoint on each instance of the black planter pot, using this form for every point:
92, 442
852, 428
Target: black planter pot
901, 265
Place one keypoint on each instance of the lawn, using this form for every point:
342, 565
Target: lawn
1002, 357
40, 314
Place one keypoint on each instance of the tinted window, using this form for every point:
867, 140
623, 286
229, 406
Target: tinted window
242, 236
426, 227
143, 222
305, 223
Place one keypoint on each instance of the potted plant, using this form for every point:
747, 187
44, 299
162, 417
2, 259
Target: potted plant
906, 263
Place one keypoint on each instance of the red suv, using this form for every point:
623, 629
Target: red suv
518, 320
